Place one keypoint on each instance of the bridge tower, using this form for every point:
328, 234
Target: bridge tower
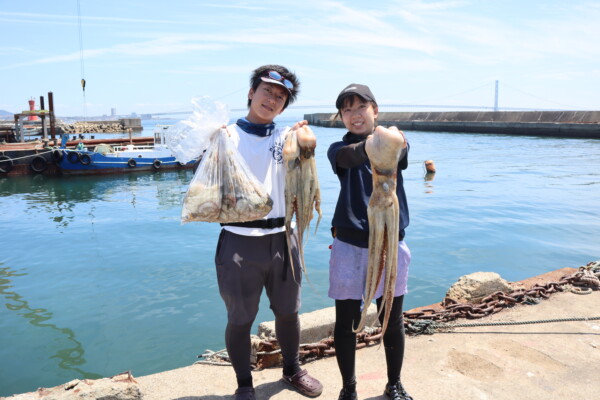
496, 97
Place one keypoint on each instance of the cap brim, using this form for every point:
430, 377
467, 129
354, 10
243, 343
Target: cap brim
269, 80
341, 97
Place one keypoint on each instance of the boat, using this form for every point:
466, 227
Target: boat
19, 155
108, 158
35, 157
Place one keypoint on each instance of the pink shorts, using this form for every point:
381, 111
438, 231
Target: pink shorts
348, 271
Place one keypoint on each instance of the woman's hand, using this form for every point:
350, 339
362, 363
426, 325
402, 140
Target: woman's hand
384, 145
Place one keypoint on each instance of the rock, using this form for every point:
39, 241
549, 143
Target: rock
92, 127
474, 287
315, 325
516, 286
119, 387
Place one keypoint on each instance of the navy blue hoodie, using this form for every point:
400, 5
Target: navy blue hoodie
350, 219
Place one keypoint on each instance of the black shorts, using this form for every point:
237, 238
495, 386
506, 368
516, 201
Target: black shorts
246, 264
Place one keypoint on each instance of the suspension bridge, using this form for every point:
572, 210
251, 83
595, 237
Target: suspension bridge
386, 107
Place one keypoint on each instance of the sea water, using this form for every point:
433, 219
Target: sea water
98, 275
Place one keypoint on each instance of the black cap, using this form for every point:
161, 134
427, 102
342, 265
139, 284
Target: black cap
362, 91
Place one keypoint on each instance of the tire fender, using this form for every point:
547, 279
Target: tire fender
73, 157
85, 159
38, 164
6, 164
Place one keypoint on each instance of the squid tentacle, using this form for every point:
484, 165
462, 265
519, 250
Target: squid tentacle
302, 192
383, 150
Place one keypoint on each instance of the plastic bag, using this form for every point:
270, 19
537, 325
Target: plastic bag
223, 189
188, 138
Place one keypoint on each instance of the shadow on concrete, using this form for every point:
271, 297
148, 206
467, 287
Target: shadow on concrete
228, 397
524, 333
263, 391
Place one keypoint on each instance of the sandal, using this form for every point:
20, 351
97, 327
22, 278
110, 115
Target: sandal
245, 393
305, 383
396, 392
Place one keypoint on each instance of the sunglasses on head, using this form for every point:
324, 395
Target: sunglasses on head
278, 77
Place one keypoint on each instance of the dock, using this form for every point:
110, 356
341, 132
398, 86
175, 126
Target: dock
568, 124
537, 361
549, 350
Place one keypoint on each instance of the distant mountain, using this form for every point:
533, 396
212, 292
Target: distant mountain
4, 113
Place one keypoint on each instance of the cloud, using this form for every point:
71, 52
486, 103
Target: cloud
219, 70
593, 74
313, 35
237, 6
16, 50
516, 42
158, 47
36, 18
478, 34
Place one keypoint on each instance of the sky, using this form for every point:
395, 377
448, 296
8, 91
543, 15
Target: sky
148, 56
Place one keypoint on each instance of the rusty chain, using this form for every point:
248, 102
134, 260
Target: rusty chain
425, 321
269, 353
428, 321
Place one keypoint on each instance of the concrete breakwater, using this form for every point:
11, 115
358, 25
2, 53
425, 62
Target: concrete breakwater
122, 125
570, 124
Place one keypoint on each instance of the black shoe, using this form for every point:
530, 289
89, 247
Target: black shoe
396, 392
245, 393
347, 395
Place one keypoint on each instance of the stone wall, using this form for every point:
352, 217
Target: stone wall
575, 124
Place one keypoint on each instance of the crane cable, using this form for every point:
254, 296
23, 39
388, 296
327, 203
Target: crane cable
81, 59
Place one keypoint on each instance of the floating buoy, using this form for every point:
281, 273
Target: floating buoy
429, 166
6, 164
38, 164
131, 163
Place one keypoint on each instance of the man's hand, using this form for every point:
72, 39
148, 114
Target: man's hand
305, 135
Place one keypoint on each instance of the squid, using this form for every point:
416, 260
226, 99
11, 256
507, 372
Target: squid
383, 149
223, 190
302, 192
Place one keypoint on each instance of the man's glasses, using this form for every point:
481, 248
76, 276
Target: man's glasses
278, 77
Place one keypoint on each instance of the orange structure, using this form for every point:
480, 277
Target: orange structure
32, 108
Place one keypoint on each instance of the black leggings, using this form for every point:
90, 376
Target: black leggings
237, 341
347, 316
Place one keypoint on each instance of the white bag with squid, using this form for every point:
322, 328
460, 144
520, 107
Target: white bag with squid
222, 189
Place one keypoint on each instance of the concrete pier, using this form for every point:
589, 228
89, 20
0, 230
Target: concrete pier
568, 124
537, 361
544, 351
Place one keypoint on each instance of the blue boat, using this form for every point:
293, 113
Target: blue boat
122, 158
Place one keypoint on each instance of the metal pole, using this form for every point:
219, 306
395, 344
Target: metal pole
44, 130
52, 121
17, 127
21, 134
